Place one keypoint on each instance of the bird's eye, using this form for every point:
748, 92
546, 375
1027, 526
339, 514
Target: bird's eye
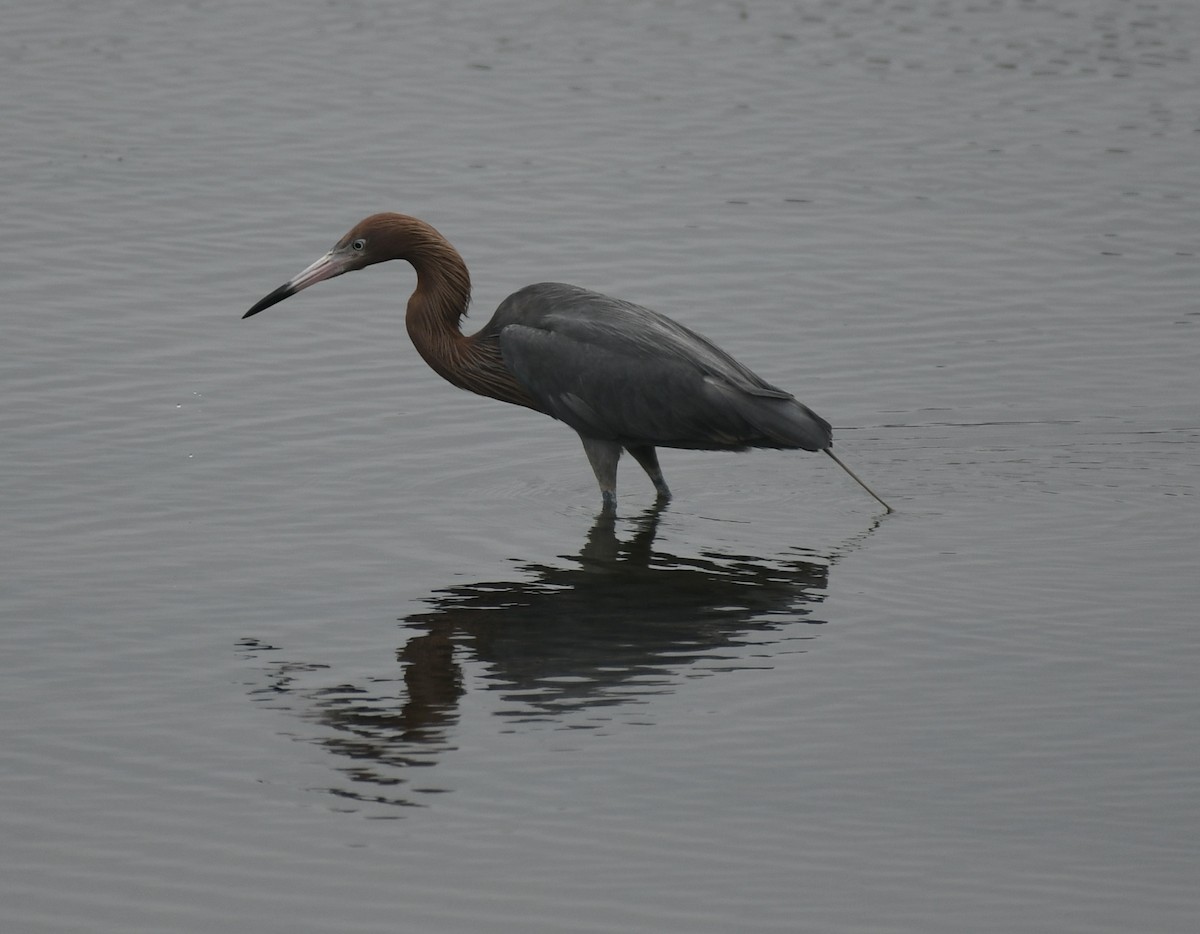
359, 245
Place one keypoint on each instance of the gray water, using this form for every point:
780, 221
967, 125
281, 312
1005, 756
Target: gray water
294, 636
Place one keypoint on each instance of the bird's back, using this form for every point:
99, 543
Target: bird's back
617, 371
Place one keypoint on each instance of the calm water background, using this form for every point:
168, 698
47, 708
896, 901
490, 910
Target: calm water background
296, 637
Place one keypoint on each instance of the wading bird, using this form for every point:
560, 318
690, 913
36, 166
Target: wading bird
624, 377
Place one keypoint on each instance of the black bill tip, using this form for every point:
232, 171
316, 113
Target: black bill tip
273, 299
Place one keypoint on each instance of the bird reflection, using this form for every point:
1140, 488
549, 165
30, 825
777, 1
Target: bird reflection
568, 646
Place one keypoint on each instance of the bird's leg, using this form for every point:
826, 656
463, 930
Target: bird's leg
645, 455
603, 456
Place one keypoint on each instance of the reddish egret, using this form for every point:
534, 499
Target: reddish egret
624, 377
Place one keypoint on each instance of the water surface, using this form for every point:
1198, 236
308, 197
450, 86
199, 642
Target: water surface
296, 636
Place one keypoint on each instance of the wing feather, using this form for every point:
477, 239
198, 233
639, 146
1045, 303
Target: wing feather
616, 371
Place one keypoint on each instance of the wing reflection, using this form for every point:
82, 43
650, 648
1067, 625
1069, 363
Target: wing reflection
618, 622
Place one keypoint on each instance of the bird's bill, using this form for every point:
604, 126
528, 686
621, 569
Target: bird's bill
330, 265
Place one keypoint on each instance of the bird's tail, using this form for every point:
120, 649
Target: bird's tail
772, 418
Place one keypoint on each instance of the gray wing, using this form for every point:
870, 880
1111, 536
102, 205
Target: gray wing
616, 371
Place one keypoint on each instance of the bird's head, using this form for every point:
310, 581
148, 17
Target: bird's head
369, 241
